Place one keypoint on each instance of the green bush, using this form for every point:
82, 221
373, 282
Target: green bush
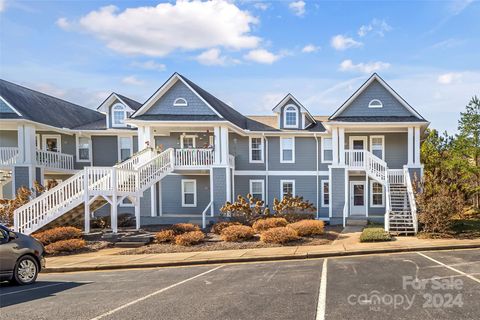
375, 235
236, 233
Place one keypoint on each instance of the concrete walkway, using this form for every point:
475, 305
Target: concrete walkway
347, 244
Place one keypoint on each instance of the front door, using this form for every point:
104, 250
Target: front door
357, 198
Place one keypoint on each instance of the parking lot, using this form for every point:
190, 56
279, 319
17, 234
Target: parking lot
425, 285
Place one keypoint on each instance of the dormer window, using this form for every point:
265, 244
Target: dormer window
290, 117
180, 102
119, 114
375, 103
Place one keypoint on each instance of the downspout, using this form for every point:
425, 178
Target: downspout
316, 150
266, 169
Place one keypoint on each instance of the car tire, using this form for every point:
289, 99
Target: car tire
26, 270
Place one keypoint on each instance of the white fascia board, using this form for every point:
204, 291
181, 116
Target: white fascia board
109, 101
10, 106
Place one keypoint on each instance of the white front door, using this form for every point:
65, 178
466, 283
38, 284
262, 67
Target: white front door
357, 198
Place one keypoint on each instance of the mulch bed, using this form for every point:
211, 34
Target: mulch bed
91, 246
213, 243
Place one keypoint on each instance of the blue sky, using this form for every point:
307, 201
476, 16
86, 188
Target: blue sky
248, 53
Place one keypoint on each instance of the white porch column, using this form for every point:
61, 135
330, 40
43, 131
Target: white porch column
410, 146
148, 136
141, 138
26, 143
417, 146
137, 213
86, 203
21, 144
160, 204
341, 142
114, 208
224, 145
217, 146
153, 200
335, 145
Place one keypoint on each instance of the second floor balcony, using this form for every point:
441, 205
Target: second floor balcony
50, 160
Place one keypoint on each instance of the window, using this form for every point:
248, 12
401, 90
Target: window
327, 150
287, 150
257, 189
291, 117
189, 193
187, 142
287, 187
256, 149
377, 146
325, 193
118, 115
376, 191
375, 103
83, 149
125, 148
126, 202
52, 143
180, 102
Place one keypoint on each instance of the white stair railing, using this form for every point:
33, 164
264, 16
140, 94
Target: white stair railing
137, 159
411, 199
193, 157
204, 215
155, 169
8, 155
54, 160
388, 207
365, 160
396, 176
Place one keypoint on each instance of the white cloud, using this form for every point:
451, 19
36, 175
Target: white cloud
150, 65
132, 80
2, 5
379, 27
262, 56
298, 8
212, 57
262, 6
340, 42
309, 48
450, 77
159, 30
457, 6
369, 67
63, 23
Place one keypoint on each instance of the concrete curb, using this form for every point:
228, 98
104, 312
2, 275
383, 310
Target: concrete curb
258, 259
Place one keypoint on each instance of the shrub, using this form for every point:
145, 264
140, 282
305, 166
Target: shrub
279, 235
218, 227
58, 234
307, 227
165, 236
180, 228
69, 245
189, 238
126, 220
289, 205
295, 217
374, 235
265, 224
244, 210
101, 222
236, 233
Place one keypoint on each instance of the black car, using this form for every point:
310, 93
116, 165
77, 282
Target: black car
21, 257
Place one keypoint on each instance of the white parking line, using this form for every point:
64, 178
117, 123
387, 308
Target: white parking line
30, 289
322, 292
451, 268
153, 294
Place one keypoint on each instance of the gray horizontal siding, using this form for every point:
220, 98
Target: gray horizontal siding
338, 191
239, 148
304, 154
105, 150
8, 138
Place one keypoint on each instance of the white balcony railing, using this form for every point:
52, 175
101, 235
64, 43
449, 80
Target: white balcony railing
54, 160
193, 158
8, 155
365, 160
395, 176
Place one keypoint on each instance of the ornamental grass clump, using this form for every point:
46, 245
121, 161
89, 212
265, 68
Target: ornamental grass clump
57, 234
280, 235
165, 236
180, 228
218, 227
237, 233
308, 227
262, 225
189, 238
62, 246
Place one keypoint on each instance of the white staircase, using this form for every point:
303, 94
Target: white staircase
94, 187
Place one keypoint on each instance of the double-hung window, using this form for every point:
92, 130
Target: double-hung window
327, 150
118, 115
187, 142
287, 150
376, 191
256, 149
125, 148
84, 149
377, 146
287, 187
257, 189
325, 193
189, 193
291, 117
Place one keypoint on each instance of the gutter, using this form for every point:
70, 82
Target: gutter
266, 169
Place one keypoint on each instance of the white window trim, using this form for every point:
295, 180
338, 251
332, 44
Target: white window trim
119, 153
194, 137
281, 187
250, 149
383, 145
124, 109
322, 149
293, 150
263, 187
179, 103
371, 196
194, 193
52, 136
353, 138
77, 141
285, 125
323, 205
375, 106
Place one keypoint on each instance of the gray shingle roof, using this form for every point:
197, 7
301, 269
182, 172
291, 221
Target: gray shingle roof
42, 108
179, 117
134, 105
379, 119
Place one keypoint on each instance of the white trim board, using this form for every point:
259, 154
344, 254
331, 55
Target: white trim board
10, 106
262, 181
280, 173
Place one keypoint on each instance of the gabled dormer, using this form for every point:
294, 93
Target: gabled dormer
376, 101
117, 109
292, 115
